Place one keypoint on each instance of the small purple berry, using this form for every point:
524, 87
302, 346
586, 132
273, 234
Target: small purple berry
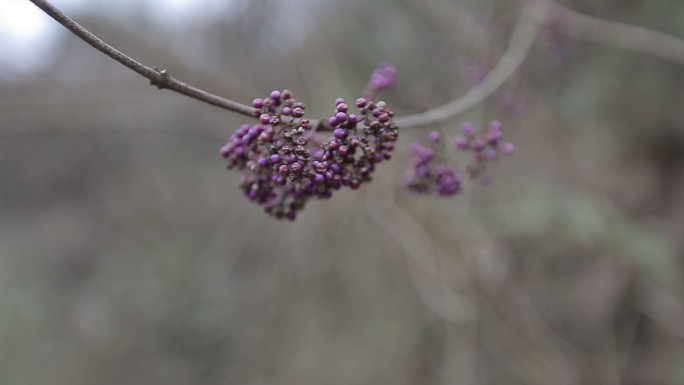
508, 148
333, 122
275, 95
339, 101
342, 107
361, 102
495, 125
490, 153
468, 129
341, 133
321, 166
461, 142
265, 118
334, 143
287, 111
258, 103
434, 136
226, 150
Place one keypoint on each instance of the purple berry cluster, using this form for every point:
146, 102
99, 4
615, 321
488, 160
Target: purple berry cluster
485, 148
428, 174
383, 77
284, 168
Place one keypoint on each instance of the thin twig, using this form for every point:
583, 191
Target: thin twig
577, 25
157, 77
631, 37
524, 33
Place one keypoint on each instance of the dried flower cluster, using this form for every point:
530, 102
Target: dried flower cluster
284, 167
429, 173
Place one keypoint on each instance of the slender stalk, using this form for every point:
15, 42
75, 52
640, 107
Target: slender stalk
523, 36
157, 77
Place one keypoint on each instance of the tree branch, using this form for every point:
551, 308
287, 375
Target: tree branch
523, 36
157, 77
631, 37
533, 14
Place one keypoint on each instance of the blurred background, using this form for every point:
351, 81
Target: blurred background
129, 256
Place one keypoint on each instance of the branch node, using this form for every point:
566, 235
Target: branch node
163, 81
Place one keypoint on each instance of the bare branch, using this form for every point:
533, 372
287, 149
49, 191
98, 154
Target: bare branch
159, 78
524, 34
634, 38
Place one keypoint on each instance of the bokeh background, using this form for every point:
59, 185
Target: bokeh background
129, 256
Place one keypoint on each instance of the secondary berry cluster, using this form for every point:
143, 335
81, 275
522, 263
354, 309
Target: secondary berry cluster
430, 173
284, 165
